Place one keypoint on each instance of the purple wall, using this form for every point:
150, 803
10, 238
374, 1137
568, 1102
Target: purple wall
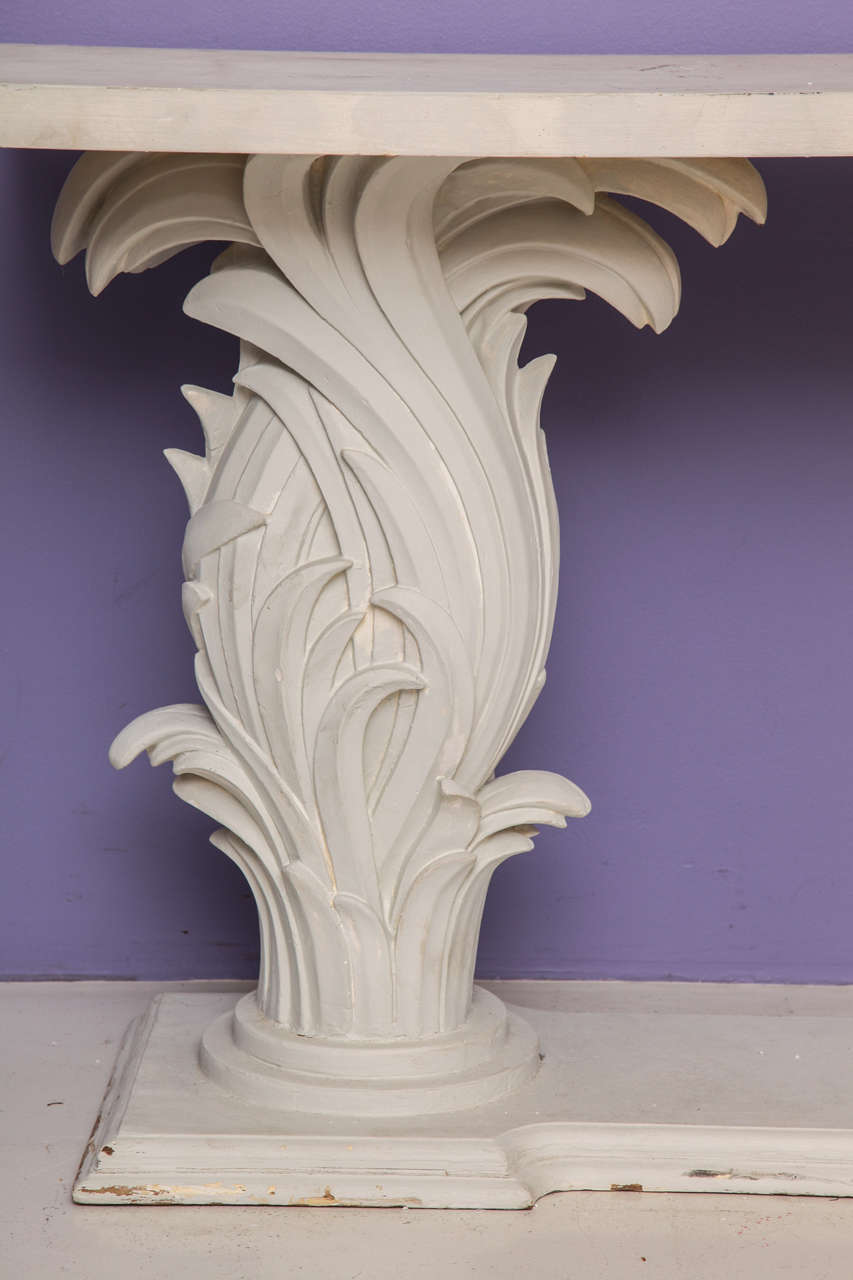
700, 683
449, 26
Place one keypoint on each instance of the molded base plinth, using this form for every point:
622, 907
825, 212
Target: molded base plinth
634, 1093
492, 1055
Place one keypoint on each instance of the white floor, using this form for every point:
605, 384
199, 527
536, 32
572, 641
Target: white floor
58, 1042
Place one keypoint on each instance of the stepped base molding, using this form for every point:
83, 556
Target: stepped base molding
715, 1089
491, 1054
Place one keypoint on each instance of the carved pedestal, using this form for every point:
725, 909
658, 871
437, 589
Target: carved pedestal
371, 569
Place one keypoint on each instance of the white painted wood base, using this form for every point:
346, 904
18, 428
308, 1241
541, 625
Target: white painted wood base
489, 1056
656, 1087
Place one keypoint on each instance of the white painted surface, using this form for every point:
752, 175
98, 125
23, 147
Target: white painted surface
422, 104
59, 1040
371, 568
634, 1091
488, 1057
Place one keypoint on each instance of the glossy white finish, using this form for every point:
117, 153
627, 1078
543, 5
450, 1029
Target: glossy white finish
422, 104
371, 571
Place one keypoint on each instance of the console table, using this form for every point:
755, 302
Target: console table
370, 579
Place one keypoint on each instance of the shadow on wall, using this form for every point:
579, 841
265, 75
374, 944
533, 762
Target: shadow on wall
699, 683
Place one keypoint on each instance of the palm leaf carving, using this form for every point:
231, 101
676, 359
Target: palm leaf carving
371, 557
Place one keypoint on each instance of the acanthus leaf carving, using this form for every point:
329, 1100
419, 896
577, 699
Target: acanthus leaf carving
371, 558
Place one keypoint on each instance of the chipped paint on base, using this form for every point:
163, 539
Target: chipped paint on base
502, 1157
735, 1174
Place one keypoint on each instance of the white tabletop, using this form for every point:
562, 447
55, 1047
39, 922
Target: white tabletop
425, 104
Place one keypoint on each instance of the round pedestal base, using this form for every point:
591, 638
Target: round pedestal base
493, 1053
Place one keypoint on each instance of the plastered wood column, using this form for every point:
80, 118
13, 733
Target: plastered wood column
371, 572
371, 568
